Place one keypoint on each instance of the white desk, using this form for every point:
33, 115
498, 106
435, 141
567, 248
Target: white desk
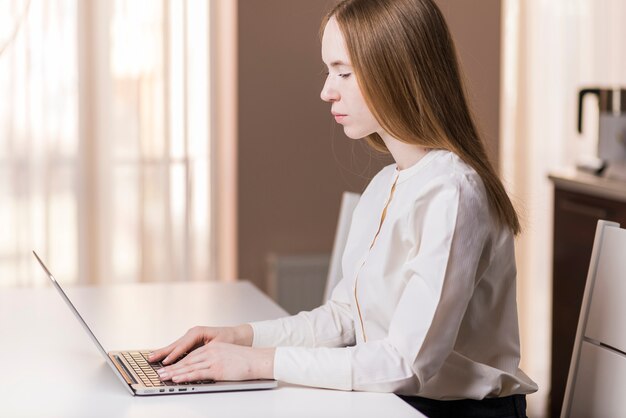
51, 368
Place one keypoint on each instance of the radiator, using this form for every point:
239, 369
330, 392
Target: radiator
296, 282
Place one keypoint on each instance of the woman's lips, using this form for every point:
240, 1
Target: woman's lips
339, 117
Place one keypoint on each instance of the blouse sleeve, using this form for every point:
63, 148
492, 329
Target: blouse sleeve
330, 325
449, 224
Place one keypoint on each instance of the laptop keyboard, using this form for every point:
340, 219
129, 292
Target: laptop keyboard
146, 371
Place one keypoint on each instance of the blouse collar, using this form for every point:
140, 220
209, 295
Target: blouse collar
403, 175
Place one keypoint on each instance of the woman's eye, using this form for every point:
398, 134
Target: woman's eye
345, 75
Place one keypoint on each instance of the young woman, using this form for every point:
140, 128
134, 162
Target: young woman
426, 307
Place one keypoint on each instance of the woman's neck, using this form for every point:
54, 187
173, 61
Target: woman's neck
405, 155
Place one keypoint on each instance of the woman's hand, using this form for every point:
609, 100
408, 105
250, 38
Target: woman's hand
199, 336
222, 361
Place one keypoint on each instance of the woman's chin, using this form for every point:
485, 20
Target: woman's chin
350, 133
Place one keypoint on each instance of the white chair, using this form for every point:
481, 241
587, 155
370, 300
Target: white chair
348, 203
596, 385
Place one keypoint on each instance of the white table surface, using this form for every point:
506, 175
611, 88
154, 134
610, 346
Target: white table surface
51, 368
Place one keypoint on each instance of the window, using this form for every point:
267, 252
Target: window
105, 154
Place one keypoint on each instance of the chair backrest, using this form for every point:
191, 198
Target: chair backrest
596, 385
348, 203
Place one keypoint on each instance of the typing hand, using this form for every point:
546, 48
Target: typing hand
221, 361
197, 337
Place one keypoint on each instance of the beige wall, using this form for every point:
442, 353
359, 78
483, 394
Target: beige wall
293, 161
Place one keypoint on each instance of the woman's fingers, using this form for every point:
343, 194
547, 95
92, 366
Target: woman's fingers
197, 356
178, 348
178, 352
157, 355
200, 359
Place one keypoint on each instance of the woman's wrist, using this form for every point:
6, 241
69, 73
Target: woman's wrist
243, 335
264, 364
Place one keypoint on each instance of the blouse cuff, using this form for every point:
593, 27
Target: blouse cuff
263, 333
319, 367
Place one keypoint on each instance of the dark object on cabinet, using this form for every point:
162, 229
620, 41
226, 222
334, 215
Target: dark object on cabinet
576, 213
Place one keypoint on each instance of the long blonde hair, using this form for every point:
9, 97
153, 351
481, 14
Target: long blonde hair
405, 62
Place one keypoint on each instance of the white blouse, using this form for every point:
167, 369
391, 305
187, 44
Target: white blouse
427, 302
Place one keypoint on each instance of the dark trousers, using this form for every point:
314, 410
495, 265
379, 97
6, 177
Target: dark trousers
513, 406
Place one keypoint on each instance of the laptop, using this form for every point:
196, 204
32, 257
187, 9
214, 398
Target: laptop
139, 376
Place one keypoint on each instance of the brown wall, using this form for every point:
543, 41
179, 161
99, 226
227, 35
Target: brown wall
294, 161
475, 27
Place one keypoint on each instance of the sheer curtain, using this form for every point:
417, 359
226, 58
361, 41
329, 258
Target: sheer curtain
105, 150
38, 137
152, 153
552, 48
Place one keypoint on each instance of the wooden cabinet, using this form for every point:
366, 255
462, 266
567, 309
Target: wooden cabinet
579, 201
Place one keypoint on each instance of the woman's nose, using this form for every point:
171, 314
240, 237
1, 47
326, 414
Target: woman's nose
329, 94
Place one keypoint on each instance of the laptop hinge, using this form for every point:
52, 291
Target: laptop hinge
122, 369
